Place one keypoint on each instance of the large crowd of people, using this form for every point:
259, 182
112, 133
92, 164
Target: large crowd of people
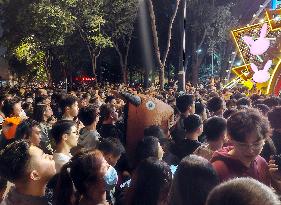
69, 148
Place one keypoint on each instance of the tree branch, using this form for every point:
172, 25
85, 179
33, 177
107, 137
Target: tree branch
202, 40
170, 33
154, 32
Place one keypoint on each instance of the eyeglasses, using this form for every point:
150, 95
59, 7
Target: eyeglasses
75, 133
254, 146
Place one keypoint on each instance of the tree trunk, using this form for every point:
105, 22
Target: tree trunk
155, 35
94, 64
195, 72
161, 63
170, 33
47, 71
162, 77
123, 60
125, 74
124, 69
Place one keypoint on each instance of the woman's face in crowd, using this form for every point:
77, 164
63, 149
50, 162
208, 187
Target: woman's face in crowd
100, 185
249, 149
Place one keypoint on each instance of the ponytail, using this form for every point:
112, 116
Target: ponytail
64, 192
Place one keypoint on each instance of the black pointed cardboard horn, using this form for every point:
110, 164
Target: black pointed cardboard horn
134, 99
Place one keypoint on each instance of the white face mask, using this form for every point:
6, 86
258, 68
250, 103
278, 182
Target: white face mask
110, 178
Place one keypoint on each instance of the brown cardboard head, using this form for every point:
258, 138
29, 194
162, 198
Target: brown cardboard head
150, 111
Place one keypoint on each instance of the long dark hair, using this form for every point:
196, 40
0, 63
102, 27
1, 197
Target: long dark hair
38, 113
193, 180
150, 184
147, 147
75, 176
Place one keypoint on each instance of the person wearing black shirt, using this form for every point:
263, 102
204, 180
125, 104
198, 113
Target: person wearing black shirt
108, 126
193, 127
186, 106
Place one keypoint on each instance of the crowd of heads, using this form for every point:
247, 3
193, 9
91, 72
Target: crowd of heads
69, 148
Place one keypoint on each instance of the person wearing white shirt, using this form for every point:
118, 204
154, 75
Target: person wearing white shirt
66, 135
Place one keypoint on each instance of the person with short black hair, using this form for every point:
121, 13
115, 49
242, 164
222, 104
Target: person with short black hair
193, 126
155, 131
85, 100
12, 107
264, 109
216, 106
247, 131
29, 130
193, 180
44, 115
89, 136
165, 142
243, 103
108, 123
215, 133
149, 146
242, 191
228, 112
112, 150
200, 109
185, 104
29, 169
274, 117
272, 101
65, 134
110, 100
69, 107
231, 104
43, 99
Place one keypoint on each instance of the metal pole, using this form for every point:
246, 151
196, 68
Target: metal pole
66, 84
181, 73
212, 62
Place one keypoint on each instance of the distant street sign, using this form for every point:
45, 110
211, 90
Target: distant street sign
275, 3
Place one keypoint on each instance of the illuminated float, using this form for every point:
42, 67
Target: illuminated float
259, 46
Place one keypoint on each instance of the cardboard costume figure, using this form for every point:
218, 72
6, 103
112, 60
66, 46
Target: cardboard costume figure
140, 112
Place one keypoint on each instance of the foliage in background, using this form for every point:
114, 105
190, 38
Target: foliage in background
209, 27
29, 51
120, 16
